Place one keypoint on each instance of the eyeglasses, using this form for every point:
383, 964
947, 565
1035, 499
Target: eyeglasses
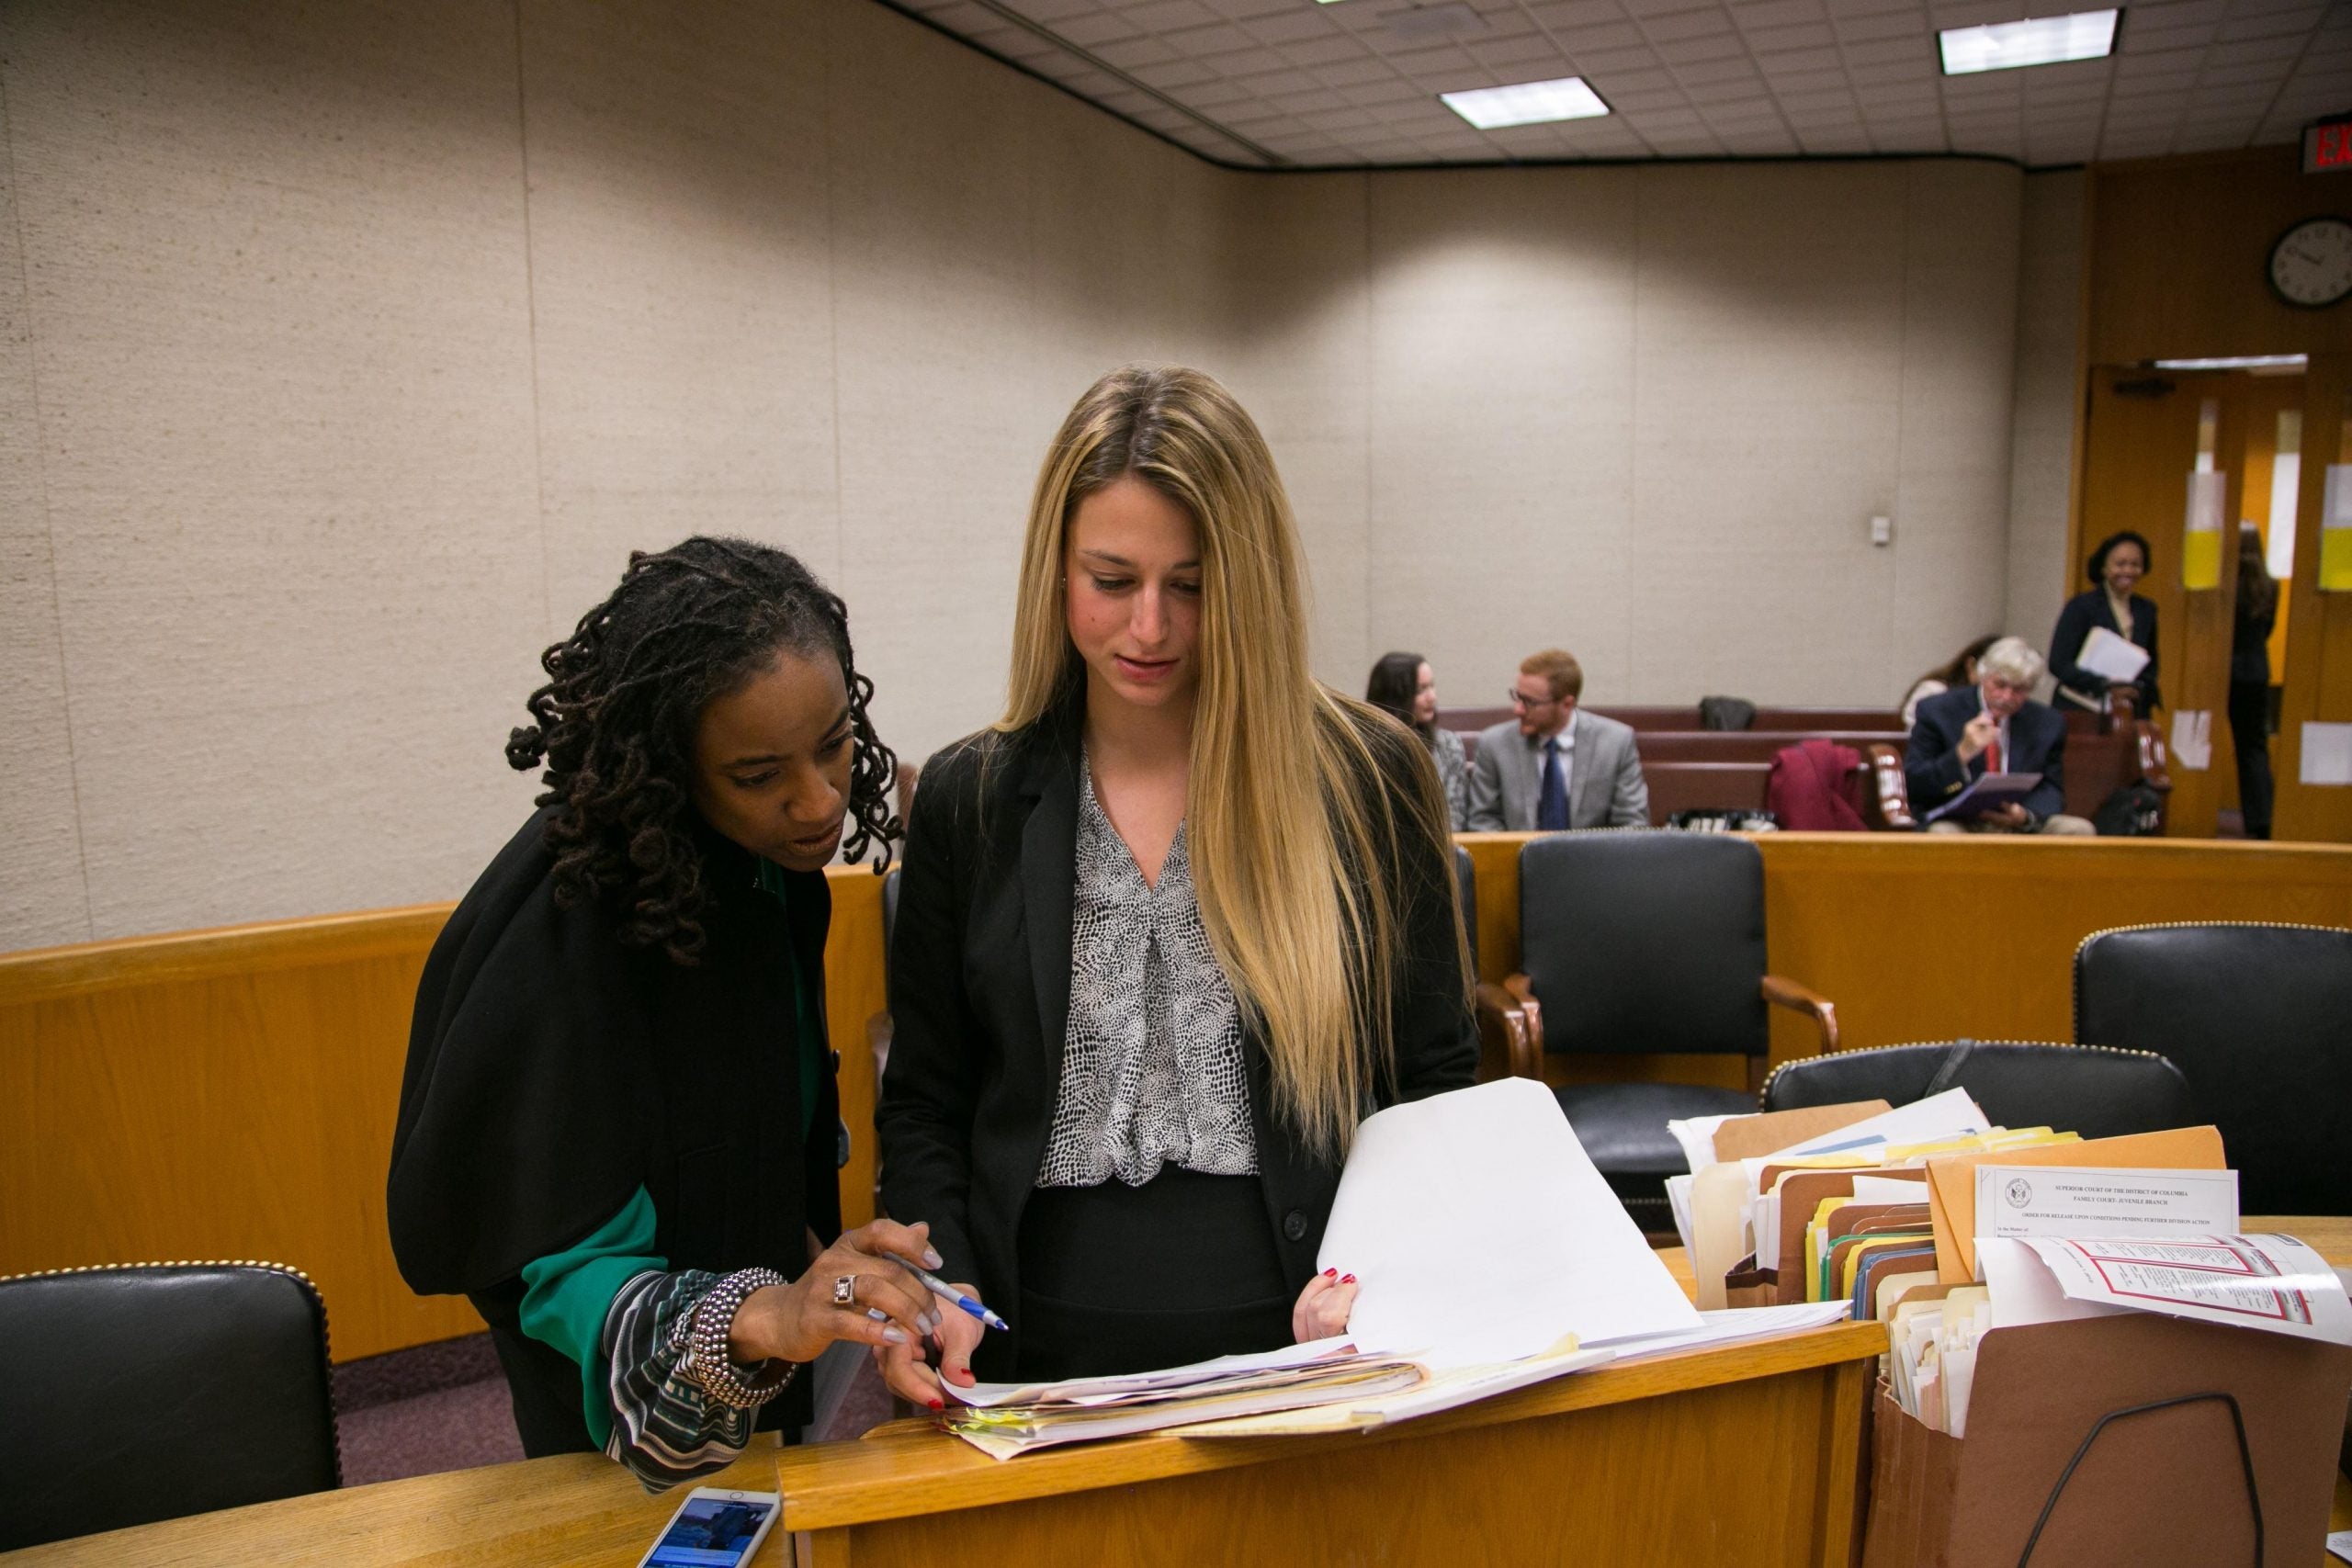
1520, 699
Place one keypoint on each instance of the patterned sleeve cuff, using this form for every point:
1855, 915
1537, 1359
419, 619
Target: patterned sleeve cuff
666, 1427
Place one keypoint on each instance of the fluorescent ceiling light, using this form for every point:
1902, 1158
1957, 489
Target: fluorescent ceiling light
2037, 40
2241, 362
1527, 103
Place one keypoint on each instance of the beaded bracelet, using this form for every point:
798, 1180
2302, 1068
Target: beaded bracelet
706, 1364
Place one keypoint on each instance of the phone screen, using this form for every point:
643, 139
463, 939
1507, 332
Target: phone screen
719, 1531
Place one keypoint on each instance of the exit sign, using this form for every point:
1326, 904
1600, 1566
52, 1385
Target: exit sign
2327, 146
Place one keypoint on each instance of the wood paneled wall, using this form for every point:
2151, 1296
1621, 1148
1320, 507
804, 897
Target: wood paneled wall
2177, 268
230, 1094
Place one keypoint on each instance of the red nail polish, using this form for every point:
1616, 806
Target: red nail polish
1331, 1273
939, 1405
1349, 1281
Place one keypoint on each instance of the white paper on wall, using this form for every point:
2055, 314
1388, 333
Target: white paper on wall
2192, 738
2327, 754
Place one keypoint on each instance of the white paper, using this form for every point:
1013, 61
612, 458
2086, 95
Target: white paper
2271, 1283
1677, 1201
1949, 1114
1088, 1390
2192, 738
1444, 1390
2118, 658
1735, 1326
2339, 1544
1479, 1232
2327, 753
2063, 1201
1888, 1190
2024, 1290
2207, 491
1697, 1136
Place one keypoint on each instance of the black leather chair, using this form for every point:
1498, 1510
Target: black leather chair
2259, 1020
152, 1391
2098, 1092
1642, 942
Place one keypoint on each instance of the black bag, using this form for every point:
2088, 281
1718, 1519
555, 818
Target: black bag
2133, 811
1725, 713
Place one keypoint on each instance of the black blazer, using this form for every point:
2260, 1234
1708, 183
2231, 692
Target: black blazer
1934, 773
979, 1006
2082, 613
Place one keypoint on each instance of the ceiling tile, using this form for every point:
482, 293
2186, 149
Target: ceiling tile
1273, 85
1558, 15
1645, 99
1709, 70
1295, 27
1394, 91
1323, 51
1905, 49
1128, 53
1794, 62
1091, 32
1694, 50
1582, 40
1219, 38
1666, 7
1753, 15
2154, 40
1176, 74
1905, 23
1688, 24
1352, 73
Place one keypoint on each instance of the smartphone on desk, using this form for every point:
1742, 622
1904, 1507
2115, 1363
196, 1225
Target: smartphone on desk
713, 1529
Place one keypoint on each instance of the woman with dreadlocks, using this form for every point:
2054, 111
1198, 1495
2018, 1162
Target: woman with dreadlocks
618, 1129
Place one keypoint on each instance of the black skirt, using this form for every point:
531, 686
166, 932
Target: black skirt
1119, 1278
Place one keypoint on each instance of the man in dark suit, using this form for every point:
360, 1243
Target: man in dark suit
1993, 727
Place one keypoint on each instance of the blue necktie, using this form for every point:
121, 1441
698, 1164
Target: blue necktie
1552, 803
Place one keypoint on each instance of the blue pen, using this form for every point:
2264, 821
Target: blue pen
940, 1287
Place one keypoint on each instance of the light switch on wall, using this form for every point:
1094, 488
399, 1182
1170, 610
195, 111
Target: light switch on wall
1881, 530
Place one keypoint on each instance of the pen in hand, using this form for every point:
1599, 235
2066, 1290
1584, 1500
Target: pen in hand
941, 1288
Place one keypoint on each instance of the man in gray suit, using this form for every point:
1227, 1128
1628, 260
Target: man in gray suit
1556, 766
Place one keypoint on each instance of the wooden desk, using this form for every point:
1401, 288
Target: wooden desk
1749, 1454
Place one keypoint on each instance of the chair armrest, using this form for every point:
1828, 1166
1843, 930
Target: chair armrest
1886, 798
1502, 1033
1798, 999
2155, 761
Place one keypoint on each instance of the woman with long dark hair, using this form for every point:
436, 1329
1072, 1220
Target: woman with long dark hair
1402, 687
619, 1132
1960, 672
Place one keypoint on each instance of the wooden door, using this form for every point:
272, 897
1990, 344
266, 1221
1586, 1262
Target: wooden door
2144, 435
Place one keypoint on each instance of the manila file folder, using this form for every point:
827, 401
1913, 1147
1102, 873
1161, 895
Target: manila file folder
1951, 1181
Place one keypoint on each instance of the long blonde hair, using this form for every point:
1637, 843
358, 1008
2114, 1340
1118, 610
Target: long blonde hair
1303, 860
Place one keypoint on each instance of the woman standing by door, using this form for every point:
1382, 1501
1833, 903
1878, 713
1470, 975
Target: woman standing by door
1167, 931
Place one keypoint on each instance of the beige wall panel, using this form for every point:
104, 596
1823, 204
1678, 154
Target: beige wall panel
680, 282
943, 413
2042, 462
275, 266
1951, 502
1767, 391
1502, 325
1125, 238
43, 898
1299, 359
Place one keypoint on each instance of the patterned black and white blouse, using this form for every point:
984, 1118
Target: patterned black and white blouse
1152, 1069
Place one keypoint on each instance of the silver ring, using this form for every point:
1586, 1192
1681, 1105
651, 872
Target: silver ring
845, 1290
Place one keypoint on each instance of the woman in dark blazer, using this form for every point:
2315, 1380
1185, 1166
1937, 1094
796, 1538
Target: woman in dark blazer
1122, 1101
2115, 568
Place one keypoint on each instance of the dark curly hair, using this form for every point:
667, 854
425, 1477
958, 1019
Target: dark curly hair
616, 723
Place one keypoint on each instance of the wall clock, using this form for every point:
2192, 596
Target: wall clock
2312, 263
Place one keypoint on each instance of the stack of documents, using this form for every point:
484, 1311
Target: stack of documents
1006, 1419
1490, 1255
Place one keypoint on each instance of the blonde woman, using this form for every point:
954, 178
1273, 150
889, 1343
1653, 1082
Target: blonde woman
1167, 931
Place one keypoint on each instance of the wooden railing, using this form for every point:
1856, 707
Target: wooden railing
231, 1093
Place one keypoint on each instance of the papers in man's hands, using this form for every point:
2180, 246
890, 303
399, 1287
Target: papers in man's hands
1479, 1233
2117, 659
1989, 792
